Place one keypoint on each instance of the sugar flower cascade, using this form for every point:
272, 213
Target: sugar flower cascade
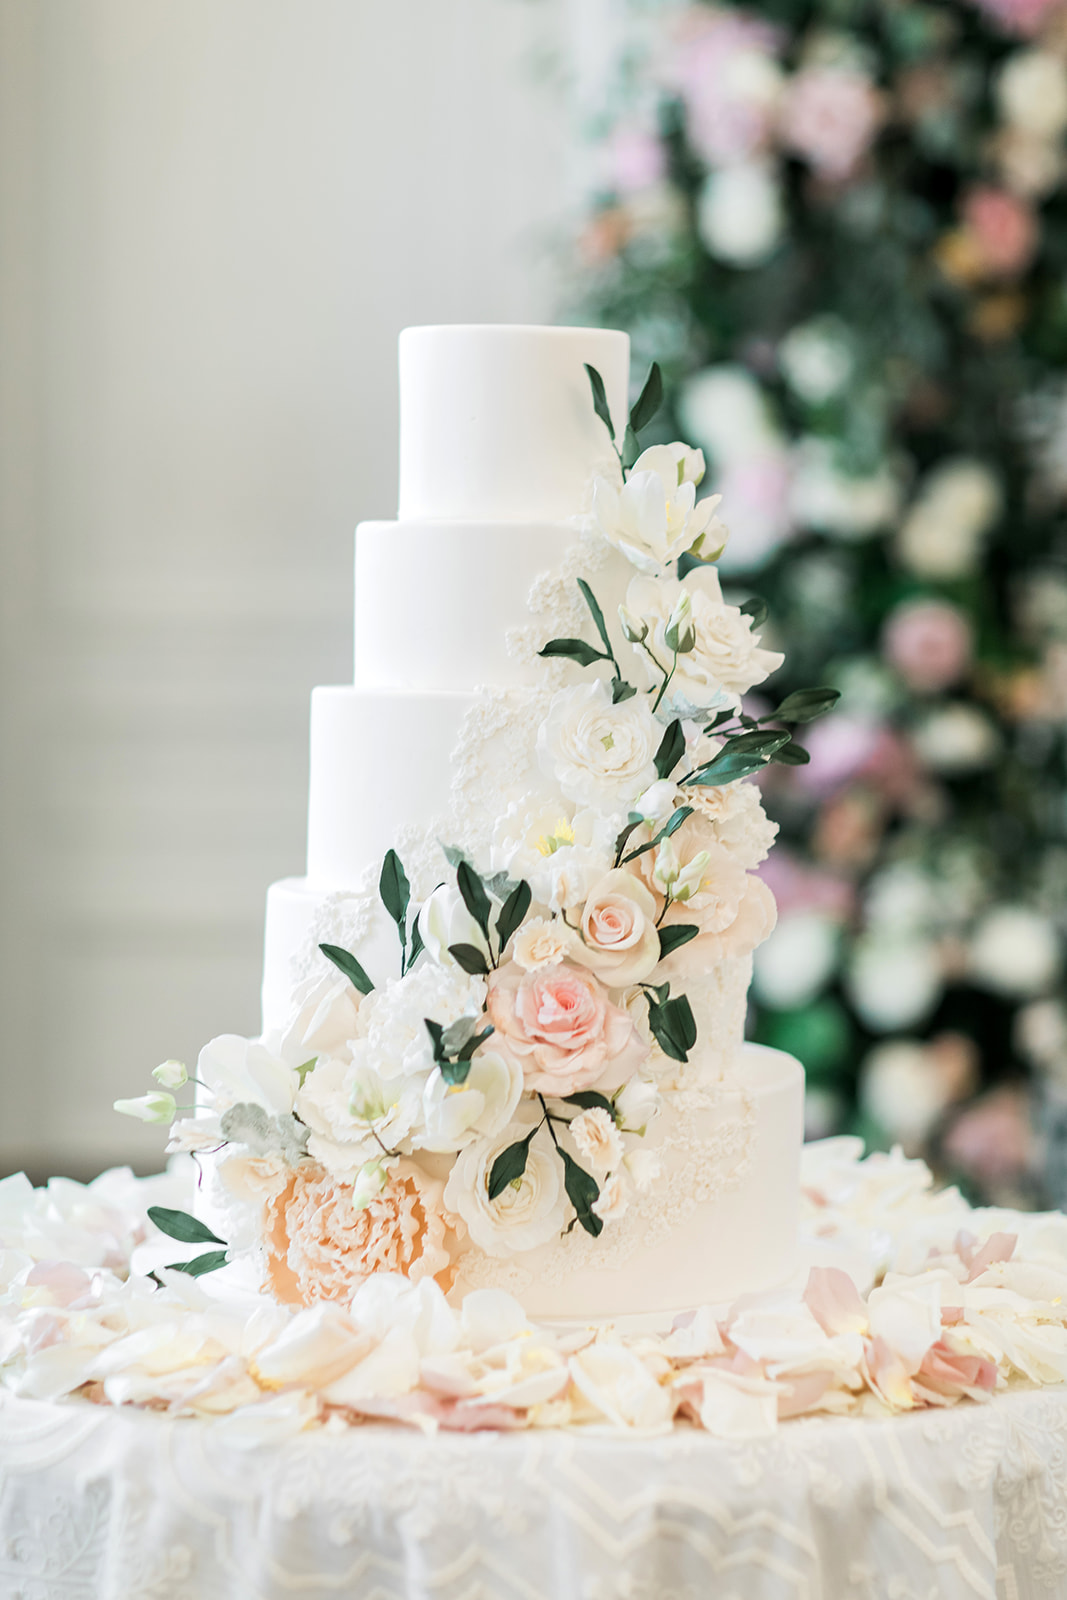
497, 1092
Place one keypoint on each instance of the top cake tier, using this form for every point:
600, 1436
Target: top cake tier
496, 422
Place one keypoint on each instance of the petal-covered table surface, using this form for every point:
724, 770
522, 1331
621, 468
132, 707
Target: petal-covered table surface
891, 1425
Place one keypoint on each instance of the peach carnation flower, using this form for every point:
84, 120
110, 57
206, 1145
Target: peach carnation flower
562, 1028
319, 1247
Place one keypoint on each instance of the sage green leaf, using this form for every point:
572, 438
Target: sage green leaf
671, 750
757, 609
436, 1032
509, 1165
470, 958
574, 650
621, 690
475, 898
305, 1067
649, 400
600, 399
211, 1262
792, 755
181, 1225
804, 705
631, 448
512, 912
675, 936
500, 885
345, 962
395, 891
582, 1190
590, 1100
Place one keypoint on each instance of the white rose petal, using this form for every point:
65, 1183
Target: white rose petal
615, 1382
322, 1018
645, 1168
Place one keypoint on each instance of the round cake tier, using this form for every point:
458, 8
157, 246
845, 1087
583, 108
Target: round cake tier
496, 422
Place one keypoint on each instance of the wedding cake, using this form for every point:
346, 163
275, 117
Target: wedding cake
503, 1012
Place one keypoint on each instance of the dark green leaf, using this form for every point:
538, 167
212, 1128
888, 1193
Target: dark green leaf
792, 755
804, 705
347, 963
600, 399
582, 1190
718, 720
475, 1041
574, 650
621, 690
757, 609
649, 400
416, 943
673, 1026
590, 1099
595, 612
659, 990
675, 936
395, 890
727, 768
674, 822
456, 1072
758, 742
211, 1262
631, 448
461, 1038
623, 838
475, 898
671, 750
470, 958
512, 912
437, 1039
180, 1225
509, 1165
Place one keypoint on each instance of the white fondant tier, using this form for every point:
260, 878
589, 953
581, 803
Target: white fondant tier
721, 1222
496, 422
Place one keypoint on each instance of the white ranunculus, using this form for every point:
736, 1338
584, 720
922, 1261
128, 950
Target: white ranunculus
894, 983
847, 505
739, 213
171, 1074
444, 920
654, 518
237, 1071
597, 1138
322, 1018
726, 660
529, 1212
457, 1114
155, 1106
725, 408
542, 942
816, 359
1031, 92
600, 754
636, 1104
797, 961
957, 505
1015, 951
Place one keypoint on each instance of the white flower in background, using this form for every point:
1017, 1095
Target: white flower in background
956, 738
837, 502
1041, 1035
618, 939
894, 982
171, 1074
530, 1211
1031, 93
597, 1138
155, 1106
240, 1071
612, 1203
1015, 951
456, 1114
738, 820
600, 754
726, 659
542, 942
739, 213
636, 1104
645, 1168
322, 1018
444, 920
797, 961
957, 504
726, 409
902, 1092
816, 359
655, 516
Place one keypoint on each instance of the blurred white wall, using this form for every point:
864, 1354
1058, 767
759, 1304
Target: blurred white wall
216, 216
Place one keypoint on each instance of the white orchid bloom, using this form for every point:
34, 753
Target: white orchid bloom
654, 518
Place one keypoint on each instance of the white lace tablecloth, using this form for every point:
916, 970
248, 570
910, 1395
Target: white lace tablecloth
114, 1504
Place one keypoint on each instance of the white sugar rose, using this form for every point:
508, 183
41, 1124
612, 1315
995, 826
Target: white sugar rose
457, 1114
444, 921
600, 754
530, 1211
542, 942
726, 660
597, 1138
619, 939
655, 516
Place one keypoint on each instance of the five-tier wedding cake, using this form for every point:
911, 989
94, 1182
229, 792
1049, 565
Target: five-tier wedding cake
503, 1013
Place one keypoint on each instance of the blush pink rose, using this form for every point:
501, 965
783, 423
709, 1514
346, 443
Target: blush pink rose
1021, 17
830, 116
1003, 228
929, 643
562, 1029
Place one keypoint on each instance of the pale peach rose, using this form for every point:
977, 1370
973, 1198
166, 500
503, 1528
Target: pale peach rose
597, 1139
542, 942
619, 941
319, 1247
562, 1029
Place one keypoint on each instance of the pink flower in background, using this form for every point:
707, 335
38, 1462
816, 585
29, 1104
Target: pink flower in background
829, 117
839, 748
929, 642
757, 490
636, 159
725, 71
1023, 17
796, 886
1003, 228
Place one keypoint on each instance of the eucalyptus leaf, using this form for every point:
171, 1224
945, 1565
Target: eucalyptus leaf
757, 609
726, 768
674, 822
671, 749
574, 650
509, 1165
649, 400
600, 399
474, 896
718, 720
758, 742
456, 1035
181, 1225
804, 705
345, 962
249, 1123
512, 912
582, 1190
210, 1262
500, 885
675, 936
470, 958
395, 891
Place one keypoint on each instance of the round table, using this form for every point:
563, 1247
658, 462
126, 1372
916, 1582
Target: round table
966, 1503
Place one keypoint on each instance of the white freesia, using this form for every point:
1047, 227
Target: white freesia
530, 1211
739, 213
726, 659
155, 1106
600, 754
678, 879
240, 1071
444, 920
171, 1074
597, 1138
454, 1115
645, 1168
542, 942
654, 518
636, 1103
1015, 951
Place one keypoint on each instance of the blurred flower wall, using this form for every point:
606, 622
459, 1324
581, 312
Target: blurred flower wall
841, 225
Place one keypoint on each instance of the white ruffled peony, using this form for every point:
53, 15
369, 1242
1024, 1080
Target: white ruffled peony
655, 516
529, 1212
600, 754
726, 660
737, 818
454, 1115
